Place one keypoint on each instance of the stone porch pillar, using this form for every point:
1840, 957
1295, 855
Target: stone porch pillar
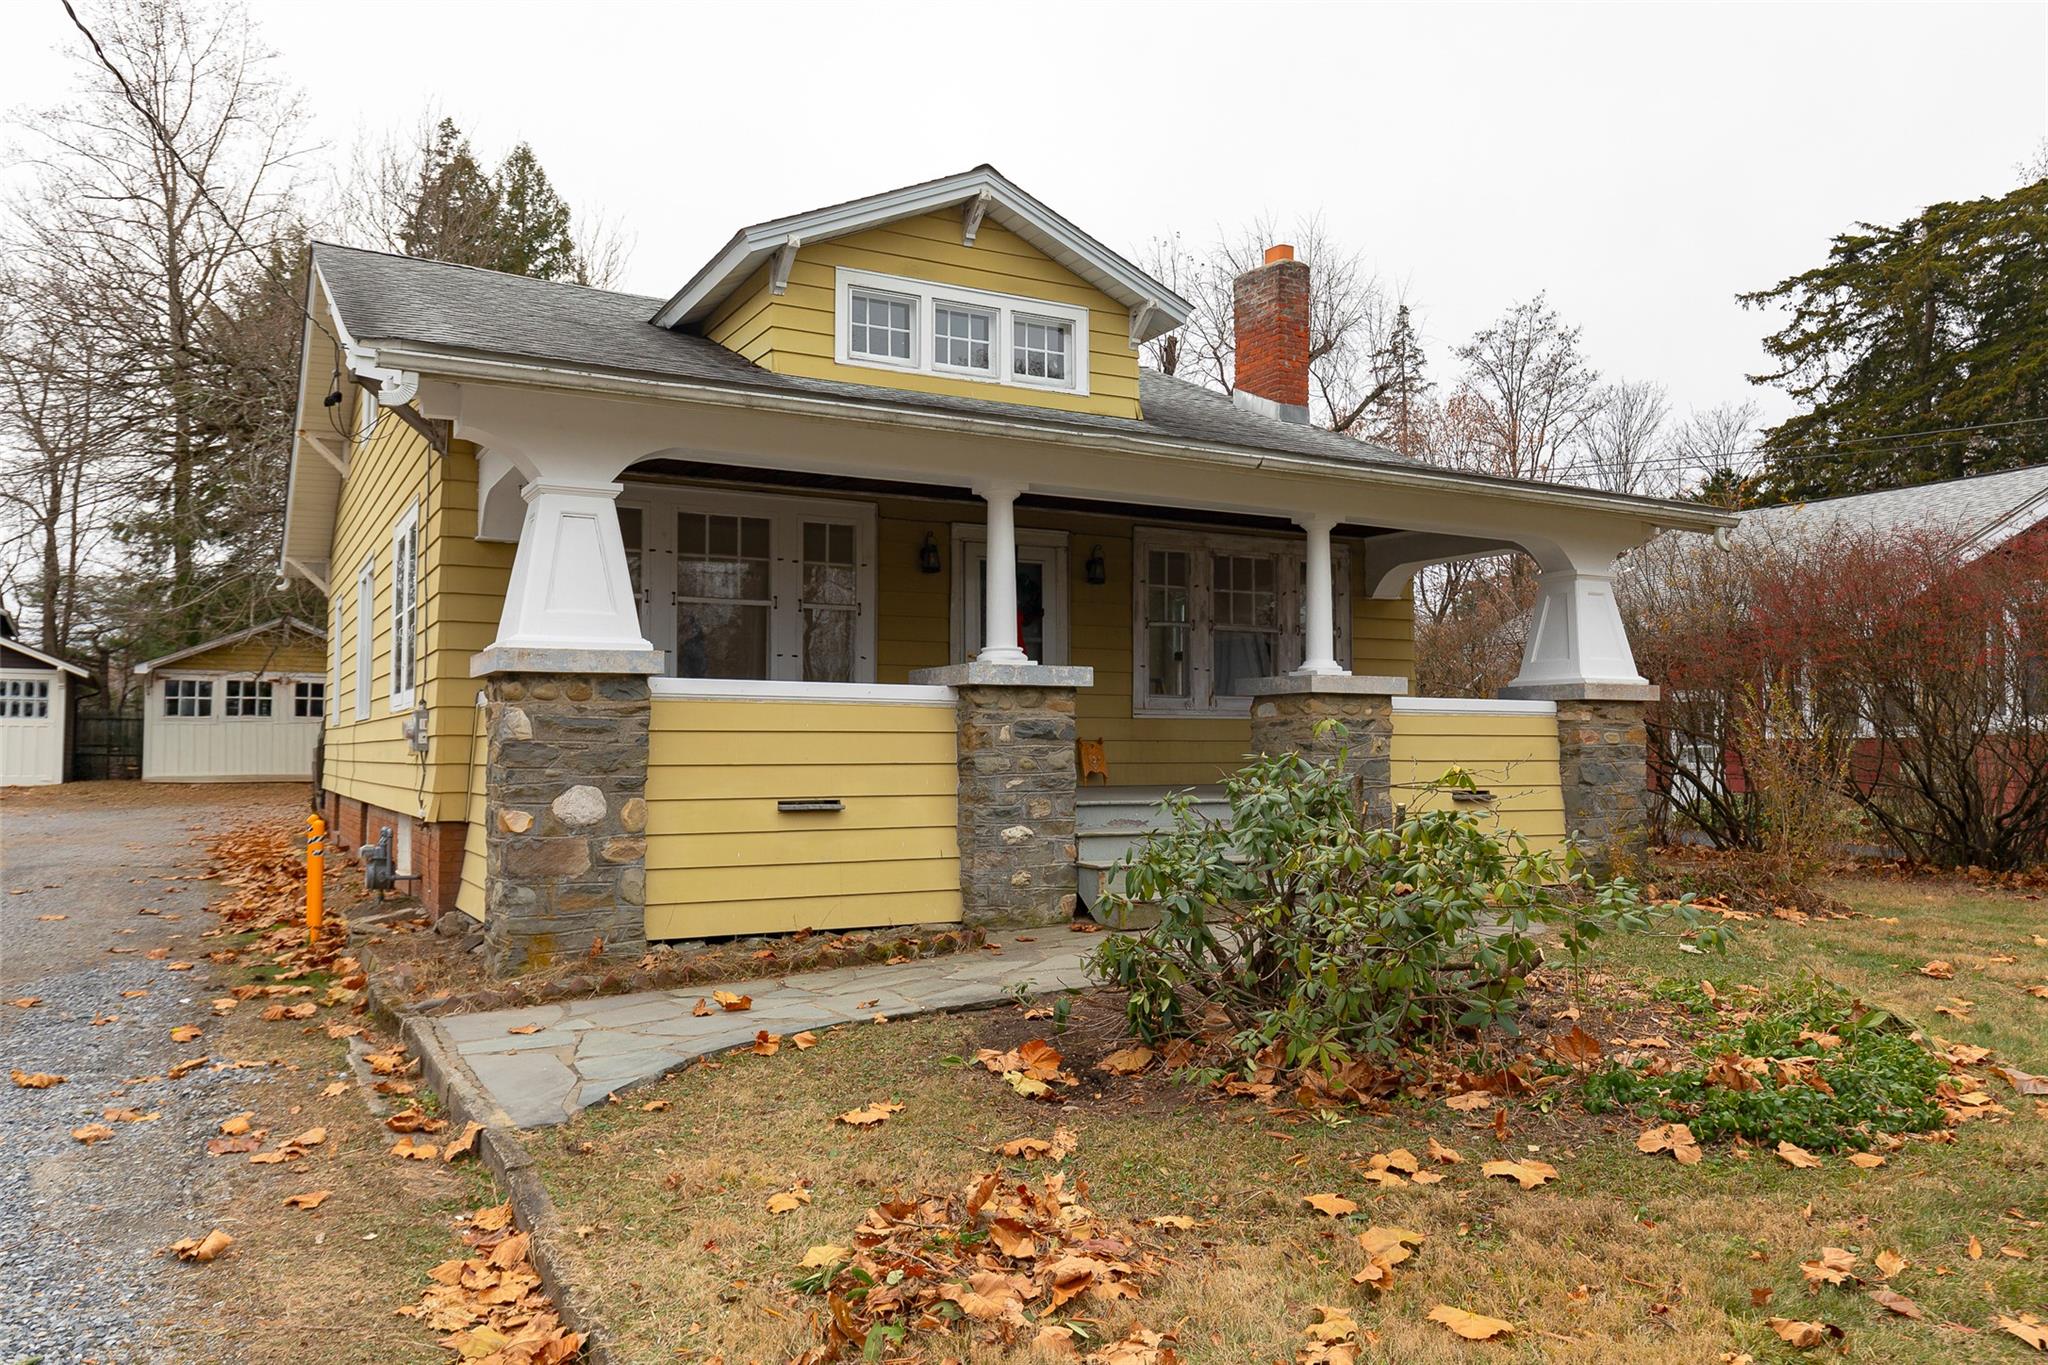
567, 708
1017, 785
1603, 767
1288, 714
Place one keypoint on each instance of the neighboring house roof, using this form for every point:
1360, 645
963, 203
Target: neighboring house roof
983, 191
1988, 509
20, 646
384, 298
290, 623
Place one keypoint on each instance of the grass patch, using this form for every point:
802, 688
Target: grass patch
1837, 1076
1622, 1257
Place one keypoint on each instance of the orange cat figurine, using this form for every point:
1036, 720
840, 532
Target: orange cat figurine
1094, 762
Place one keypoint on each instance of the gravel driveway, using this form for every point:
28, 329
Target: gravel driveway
82, 1227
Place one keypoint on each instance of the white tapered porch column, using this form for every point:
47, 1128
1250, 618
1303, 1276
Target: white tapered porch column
1319, 613
999, 606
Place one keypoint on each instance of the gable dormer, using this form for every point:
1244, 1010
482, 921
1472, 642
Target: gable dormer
965, 286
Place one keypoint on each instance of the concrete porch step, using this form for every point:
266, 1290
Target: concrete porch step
1108, 821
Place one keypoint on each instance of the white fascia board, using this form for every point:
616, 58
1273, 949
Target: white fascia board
1009, 205
1656, 512
23, 647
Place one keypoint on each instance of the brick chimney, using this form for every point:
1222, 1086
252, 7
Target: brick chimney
1270, 313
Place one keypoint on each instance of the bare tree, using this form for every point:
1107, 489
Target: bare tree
1621, 449
1529, 391
1717, 450
162, 183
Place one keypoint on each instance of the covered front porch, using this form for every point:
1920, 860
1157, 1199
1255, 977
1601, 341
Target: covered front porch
873, 656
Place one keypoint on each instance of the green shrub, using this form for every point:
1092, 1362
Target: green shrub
1308, 927
1875, 1079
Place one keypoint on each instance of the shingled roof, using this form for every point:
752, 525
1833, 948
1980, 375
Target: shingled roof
1988, 509
468, 311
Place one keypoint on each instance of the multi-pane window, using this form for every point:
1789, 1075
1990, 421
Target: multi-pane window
1247, 604
24, 699
1167, 623
830, 601
881, 326
931, 328
723, 596
188, 697
1038, 348
962, 337
405, 608
246, 698
309, 700
1218, 610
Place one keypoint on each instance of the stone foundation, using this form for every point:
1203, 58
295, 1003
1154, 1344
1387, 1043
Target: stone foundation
565, 819
1016, 800
1289, 715
1603, 767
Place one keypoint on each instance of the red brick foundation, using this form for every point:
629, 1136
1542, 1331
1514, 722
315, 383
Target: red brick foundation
437, 846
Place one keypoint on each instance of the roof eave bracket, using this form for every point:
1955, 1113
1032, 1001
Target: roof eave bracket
971, 216
785, 257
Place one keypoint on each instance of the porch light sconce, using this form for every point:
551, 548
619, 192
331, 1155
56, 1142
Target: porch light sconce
928, 555
1096, 568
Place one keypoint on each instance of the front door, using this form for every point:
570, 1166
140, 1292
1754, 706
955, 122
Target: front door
1041, 600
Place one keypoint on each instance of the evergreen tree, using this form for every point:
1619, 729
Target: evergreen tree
532, 221
452, 213
1907, 336
1401, 409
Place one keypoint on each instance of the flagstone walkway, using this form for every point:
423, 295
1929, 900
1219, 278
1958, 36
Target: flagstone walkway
585, 1049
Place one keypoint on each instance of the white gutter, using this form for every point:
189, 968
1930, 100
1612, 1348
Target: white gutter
1656, 512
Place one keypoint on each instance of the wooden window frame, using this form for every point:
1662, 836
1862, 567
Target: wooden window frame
925, 295
1290, 556
201, 694
366, 635
405, 609
659, 505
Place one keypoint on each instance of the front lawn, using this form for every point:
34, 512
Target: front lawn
1622, 1256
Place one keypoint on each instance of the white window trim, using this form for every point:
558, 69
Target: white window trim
215, 697
366, 635
660, 503
923, 294
944, 299
971, 539
255, 698
1199, 545
404, 533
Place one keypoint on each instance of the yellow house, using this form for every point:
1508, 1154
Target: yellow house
785, 601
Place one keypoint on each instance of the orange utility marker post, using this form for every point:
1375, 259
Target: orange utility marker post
316, 875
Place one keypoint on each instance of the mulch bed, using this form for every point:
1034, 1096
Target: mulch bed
415, 970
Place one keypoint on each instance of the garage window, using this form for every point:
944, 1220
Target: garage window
248, 699
24, 699
309, 700
188, 697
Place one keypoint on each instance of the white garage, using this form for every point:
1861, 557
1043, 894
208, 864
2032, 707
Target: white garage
246, 707
35, 709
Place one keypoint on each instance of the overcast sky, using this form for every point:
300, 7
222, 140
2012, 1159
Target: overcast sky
1643, 163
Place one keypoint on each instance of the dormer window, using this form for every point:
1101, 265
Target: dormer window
958, 333
881, 326
963, 338
1039, 349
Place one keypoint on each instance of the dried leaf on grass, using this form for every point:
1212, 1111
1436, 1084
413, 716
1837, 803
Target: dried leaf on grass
1330, 1205
869, 1115
1834, 1266
1893, 1301
1058, 1147
1802, 1335
1471, 1326
1675, 1138
312, 1199
2027, 1328
789, 1200
1796, 1156
1528, 1174
1003, 1254
490, 1304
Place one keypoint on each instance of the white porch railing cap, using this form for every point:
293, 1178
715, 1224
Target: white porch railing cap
551, 659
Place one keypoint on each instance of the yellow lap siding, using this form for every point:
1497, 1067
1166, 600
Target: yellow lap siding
722, 859
469, 897
1514, 755
274, 655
